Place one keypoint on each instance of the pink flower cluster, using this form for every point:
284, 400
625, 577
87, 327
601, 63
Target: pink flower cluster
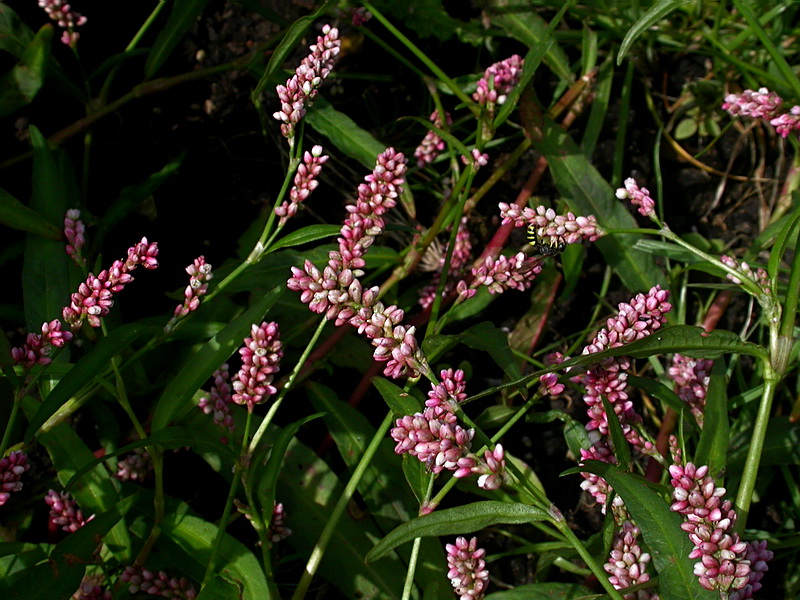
627, 564
277, 526
218, 401
476, 158
64, 511
638, 196
507, 273
692, 377
644, 315
261, 355
157, 584
468, 573
558, 228
435, 437
766, 105
37, 348
337, 292
305, 182
432, 145
726, 562
67, 19
498, 81
136, 466
74, 231
301, 89
94, 297
11, 469
199, 276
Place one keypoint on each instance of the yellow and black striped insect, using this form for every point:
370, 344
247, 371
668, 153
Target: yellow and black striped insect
555, 246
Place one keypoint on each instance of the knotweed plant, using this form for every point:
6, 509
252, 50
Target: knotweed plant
438, 355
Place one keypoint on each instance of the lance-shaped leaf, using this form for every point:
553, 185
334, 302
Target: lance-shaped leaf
20, 85
458, 521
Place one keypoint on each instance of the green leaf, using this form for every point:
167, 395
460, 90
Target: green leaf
782, 241
15, 36
660, 391
532, 30
587, 192
622, 450
184, 14
132, 196
398, 401
545, 591
176, 399
19, 86
312, 233
16, 215
781, 445
661, 530
485, 336
345, 135
653, 15
434, 346
45, 269
460, 520
309, 489
712, 449
219, 589
86, 369
291, 38
239, 566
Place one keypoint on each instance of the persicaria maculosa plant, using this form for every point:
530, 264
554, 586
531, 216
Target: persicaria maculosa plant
605, 389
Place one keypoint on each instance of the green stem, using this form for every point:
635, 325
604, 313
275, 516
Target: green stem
750, 474
327, 533
244, 457
454, 87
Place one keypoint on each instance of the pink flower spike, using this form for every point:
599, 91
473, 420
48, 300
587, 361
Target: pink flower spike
66, 18
261, 355
12, 468
305, 182
762, 104
639, 197
432, 145
157, 584
64, 511
74, 232
468, 573
498, 81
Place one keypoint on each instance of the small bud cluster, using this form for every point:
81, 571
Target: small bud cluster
11, 469
436, 439
301, 89
759, 276
337, 292
37, 348
94, 297
638, 196
74, 231
552, 227
64, 511
92, 587
261, 355
627, 564
199, 276
218, 401
766, 105
498, 81
277, 525
432, 145
692, 377
435, 258
305, 182
157, 584
136, 466
724, 558
476, 158
468, 573
62, 13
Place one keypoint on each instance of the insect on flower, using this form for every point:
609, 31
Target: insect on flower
556, 245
